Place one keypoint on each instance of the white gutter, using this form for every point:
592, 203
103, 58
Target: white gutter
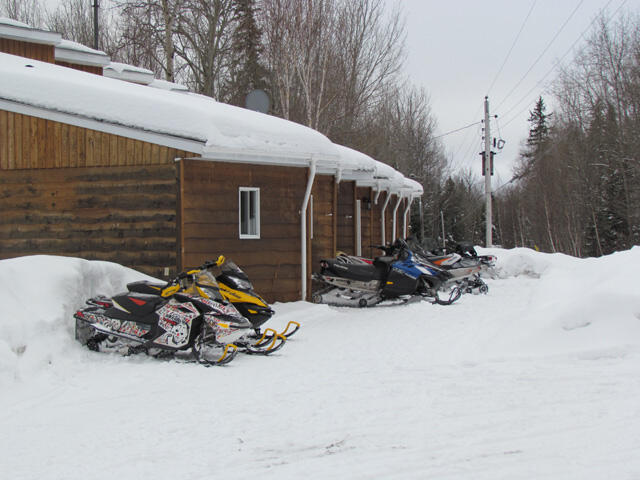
382, 219
395, 213
303, 226
406, 211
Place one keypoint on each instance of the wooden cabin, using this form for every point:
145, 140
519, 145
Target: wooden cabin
160, 179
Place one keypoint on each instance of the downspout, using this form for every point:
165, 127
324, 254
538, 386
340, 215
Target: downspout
303, 225
395, 216
377, 189
406, 211
382, 219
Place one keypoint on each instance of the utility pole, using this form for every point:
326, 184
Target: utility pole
487, 175
96, 6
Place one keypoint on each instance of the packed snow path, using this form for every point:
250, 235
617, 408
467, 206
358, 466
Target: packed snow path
537, 379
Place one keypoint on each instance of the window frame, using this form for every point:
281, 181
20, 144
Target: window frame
252, 235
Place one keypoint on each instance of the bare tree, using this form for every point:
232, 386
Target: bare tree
25, 11
148, 34
204, 44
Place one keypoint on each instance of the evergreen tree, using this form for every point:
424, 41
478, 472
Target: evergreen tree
247, 72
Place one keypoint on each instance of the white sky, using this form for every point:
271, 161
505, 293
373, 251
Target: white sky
456, 49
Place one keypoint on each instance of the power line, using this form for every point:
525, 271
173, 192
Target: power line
457, 130
512, 46
559, 62
543, 52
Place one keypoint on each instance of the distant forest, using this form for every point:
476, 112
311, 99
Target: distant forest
337, 66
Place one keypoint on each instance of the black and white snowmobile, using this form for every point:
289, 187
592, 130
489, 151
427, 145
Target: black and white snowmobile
396, 277
464, 265
161, 320
223, 280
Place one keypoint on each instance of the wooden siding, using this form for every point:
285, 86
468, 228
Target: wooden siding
366, 222
35, 51
82, 68
120, 214
376, 210
209, 212
322, 244
346, 223
28, 142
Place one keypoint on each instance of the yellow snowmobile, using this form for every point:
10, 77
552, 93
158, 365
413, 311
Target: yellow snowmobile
201, 284
237, 289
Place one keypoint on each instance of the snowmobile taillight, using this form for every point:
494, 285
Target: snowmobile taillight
103, 304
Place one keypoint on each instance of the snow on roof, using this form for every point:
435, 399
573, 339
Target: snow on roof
353, 162
14, 30
165, 85
223, 130
11, 21
128, 73
76, 53
217, 131
412, 187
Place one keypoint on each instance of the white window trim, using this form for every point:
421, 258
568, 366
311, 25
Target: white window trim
244, 235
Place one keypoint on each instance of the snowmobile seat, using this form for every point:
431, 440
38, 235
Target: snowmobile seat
359, 272
137, 307
144, 286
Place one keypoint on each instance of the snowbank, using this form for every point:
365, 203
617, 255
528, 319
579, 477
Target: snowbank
39, 296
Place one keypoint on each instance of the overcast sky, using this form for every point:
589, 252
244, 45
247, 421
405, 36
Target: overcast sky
456, 49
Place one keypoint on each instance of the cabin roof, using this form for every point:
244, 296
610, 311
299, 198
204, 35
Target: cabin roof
214, 130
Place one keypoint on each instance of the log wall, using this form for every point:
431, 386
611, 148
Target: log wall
364, 194
31, 142
66, 190
345, 222
35, 51
323, 242
209, 212
125, 215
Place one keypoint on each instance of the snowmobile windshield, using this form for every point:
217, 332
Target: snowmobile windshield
234, 274
206, 282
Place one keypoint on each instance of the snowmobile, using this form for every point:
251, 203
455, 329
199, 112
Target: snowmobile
202, 282
396, 277
464, 265
236, 288
162, 323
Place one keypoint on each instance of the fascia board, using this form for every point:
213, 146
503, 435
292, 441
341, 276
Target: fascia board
267, 158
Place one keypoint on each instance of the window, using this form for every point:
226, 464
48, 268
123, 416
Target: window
249, 212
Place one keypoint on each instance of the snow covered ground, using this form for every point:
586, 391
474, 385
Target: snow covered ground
538, 379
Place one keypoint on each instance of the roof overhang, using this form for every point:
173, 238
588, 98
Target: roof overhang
25, 33
77, 54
